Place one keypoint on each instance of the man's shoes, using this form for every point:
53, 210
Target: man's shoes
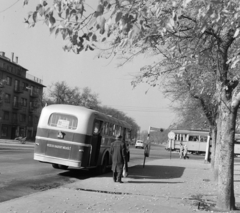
120, 181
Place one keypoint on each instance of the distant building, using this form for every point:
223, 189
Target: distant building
20, 100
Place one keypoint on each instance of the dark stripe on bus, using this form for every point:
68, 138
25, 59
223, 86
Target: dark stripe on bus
69, 136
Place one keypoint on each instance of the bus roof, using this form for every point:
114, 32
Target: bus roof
81, 112
192, 132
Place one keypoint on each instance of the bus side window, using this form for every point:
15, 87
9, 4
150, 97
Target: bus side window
110, 129
190, 138
103, 128
203, 138
116, 130
96, 128
106, 128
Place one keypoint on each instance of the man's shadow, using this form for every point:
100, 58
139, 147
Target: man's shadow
155, 172
137, 174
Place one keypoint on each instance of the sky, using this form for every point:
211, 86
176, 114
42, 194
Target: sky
42, 55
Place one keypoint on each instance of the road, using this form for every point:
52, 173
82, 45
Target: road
21, 175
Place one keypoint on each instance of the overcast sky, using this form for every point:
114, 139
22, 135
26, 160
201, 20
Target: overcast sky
43, 56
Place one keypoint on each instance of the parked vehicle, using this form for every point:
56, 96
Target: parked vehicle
139, 144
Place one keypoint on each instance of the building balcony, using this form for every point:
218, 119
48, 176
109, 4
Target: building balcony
34, 94
17, 105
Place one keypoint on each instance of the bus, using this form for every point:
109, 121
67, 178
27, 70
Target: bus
75, 136
196, 141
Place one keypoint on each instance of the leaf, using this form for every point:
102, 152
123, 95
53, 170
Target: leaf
52, 21
44, 3
91, 48
67, 12
34, 17
25, 2
57, 31
52, 29
94, 38
99, 10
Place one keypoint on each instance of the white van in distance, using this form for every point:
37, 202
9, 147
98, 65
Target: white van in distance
139, 144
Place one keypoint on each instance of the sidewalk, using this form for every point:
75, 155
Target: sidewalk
164, 185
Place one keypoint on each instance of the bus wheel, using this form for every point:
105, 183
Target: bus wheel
55, 166
63, 167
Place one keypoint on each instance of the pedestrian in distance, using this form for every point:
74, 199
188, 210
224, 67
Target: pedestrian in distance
181, 151
118, 152
185, 152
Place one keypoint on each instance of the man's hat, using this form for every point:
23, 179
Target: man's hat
118, 137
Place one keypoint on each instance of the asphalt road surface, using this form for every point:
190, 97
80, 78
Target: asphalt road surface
21, 175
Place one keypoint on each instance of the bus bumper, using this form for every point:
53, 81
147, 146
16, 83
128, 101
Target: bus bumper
60, 161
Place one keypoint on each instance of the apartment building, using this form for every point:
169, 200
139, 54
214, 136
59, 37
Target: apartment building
20, 99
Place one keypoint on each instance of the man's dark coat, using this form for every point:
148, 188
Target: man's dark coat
118, 152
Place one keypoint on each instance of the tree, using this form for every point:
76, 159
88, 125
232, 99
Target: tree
180, 32
61, 93
196, 100
121, 116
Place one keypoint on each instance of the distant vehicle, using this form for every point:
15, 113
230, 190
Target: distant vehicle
196, 141
139, 144
74, 136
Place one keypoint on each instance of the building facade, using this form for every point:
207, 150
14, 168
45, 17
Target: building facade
20, 100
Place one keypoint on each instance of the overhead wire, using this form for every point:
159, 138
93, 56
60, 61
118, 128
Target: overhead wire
1, 11
139, 109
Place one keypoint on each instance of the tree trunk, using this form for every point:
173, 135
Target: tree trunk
217, 149
225, 196
213, 148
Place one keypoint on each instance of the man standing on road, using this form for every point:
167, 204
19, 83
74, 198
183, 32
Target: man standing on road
118, 152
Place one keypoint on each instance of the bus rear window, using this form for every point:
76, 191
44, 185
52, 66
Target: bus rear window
63, 121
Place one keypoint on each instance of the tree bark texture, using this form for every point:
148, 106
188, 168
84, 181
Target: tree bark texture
225, 196
213, 148
217, 150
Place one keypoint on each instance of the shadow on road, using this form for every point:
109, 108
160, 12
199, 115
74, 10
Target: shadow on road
135, 172
155, 172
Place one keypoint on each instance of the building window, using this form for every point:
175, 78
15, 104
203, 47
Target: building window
22, 117
14, 117
15, 101
4, 131
25, 85
7, 98
9, 81
16, 85
24, 102
30, 120
5, 115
